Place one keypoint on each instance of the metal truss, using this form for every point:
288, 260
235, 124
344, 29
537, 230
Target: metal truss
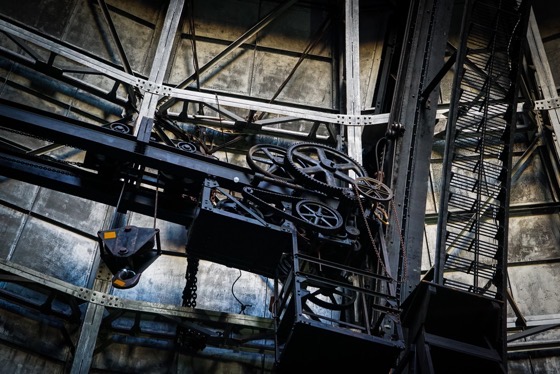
158, 121
146, 123
64, 302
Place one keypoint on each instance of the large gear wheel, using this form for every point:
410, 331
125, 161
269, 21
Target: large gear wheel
268, 160
321, 167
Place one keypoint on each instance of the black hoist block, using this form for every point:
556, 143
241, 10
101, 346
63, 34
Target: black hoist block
128, 251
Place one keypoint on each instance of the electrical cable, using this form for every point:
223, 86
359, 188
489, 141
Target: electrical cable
243, 306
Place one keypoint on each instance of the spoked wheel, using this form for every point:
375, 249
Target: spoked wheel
318, 216
331, 298
268, 160
373, 189
322, 167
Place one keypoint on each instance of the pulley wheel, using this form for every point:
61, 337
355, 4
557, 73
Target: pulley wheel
321, 167
268, 160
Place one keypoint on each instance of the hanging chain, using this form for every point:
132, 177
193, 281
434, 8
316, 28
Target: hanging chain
187, 337
189, 293
405, 260
370, 235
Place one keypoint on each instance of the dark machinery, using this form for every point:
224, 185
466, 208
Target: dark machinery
307, 216
315, 202
312, 219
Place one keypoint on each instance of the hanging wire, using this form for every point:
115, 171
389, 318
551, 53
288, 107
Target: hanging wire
378, 163
243, 306
115, 215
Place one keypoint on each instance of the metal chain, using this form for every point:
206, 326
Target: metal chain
43, 167
188, 338
403, 250
44, 157
19, 132
189, 293
370, 235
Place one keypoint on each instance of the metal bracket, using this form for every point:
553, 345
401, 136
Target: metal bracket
353, 120
104, 274
547, 104
99, 298
154, 88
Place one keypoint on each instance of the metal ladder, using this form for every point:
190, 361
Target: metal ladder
473, 218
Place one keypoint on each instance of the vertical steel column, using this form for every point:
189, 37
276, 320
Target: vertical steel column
544, 78
90, 329
352, 75
161, 60
94, 312
421, 60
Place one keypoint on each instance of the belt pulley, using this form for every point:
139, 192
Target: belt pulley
310, 214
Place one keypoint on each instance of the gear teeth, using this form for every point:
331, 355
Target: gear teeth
295, 165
